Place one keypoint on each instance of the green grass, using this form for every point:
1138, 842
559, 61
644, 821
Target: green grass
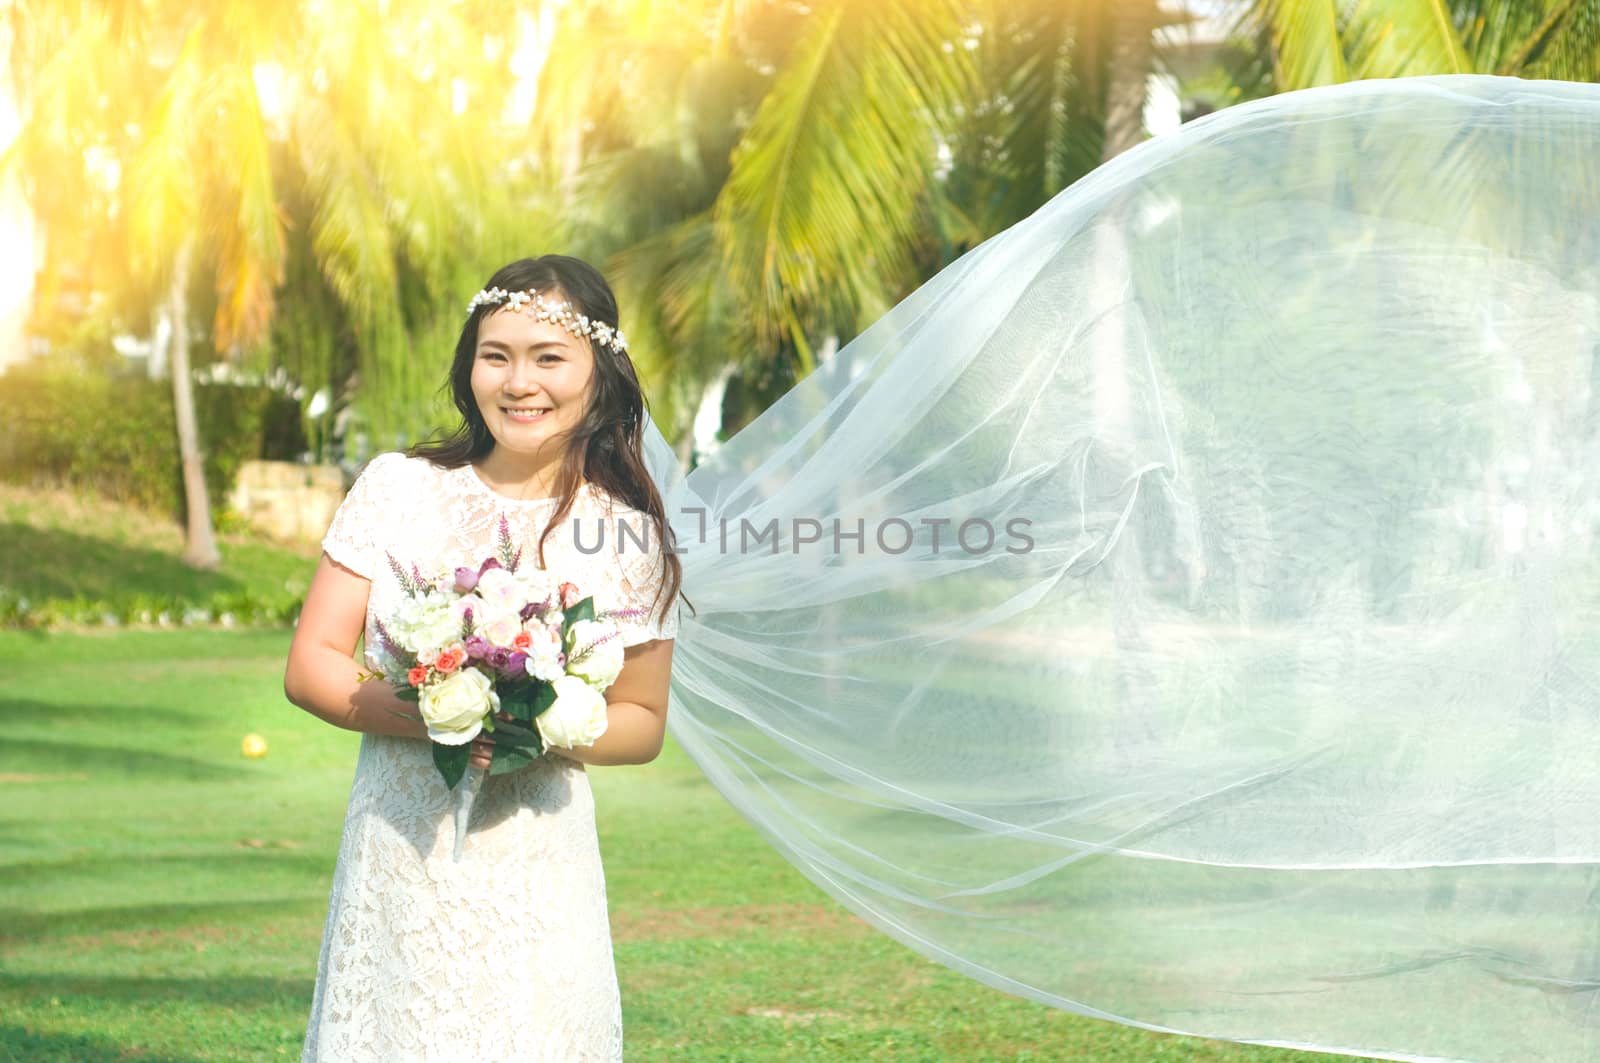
56, 546
162, 898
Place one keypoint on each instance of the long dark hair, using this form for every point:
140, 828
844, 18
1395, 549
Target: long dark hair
606, 446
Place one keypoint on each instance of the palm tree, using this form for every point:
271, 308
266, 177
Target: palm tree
175, 100
1320, 42
872, 142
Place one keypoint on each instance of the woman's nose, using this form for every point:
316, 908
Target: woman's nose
523, 378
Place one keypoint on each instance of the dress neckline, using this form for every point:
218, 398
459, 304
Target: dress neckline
470, 473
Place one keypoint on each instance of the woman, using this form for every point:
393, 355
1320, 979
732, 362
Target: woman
507, 954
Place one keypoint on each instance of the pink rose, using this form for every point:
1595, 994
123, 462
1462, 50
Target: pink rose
417, 676
569, 595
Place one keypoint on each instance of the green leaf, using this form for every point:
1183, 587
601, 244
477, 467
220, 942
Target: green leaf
545, 698
1307, 49
1404, 38
452, 761
408, 693
517, 701
510, 758
518, 736
584, 610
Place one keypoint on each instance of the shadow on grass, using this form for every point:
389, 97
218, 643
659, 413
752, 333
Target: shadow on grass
236, 992
15, 923
99, 569
35, 756
22, 1045
113, 712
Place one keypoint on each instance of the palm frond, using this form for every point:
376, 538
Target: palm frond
349, 232
1035, 125
1406, 38
250, 267
572, 102
1565, 45
687, 325
1307, 47
163, 180
805, 222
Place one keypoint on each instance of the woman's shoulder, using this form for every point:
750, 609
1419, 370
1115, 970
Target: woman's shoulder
396, 466
616, 510
609, 500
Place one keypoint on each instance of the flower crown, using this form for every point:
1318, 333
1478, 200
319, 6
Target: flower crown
553, 313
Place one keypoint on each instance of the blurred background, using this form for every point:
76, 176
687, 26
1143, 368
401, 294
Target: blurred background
237, 240
254, 226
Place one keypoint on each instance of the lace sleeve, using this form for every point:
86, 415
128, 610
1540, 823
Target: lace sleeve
352, 537
642, 571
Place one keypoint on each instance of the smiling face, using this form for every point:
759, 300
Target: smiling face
530, 380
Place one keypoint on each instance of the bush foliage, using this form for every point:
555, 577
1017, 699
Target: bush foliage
86, 429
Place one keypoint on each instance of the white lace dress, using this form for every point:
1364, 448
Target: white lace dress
507, 954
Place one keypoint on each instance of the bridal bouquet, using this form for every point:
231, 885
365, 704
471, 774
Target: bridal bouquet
501, 648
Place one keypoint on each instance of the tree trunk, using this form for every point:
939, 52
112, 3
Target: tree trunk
159, 363
1128, 76
685, 449
200, 550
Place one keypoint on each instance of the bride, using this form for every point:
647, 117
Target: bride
1278, 727
507, 954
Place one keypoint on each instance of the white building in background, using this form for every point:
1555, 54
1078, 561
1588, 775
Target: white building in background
19, 249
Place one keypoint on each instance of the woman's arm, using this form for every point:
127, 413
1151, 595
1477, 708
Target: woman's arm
636, 709
321, 673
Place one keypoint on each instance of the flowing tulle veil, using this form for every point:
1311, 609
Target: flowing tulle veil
1250, 687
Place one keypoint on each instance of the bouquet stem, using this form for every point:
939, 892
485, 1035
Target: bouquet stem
461, 799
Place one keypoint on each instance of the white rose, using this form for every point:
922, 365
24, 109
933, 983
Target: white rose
454, 708
536, 583
544, 655
577, 718
603, 663
504, 590
500, 627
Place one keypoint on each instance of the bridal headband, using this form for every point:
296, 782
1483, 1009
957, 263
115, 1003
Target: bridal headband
553, 313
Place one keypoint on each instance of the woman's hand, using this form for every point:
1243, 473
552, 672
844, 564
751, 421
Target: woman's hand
482, 752
483, 746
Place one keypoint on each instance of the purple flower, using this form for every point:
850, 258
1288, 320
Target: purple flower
487, 565
389, 645
498, 658
477, 647
466, 580
518, 663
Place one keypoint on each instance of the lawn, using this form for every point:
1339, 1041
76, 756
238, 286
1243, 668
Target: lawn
162, 898
71, 556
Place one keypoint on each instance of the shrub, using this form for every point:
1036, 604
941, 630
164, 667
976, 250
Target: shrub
88, 429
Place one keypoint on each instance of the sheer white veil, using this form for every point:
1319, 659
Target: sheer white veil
1209, 641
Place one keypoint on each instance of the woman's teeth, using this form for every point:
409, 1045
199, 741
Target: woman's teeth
524, 415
